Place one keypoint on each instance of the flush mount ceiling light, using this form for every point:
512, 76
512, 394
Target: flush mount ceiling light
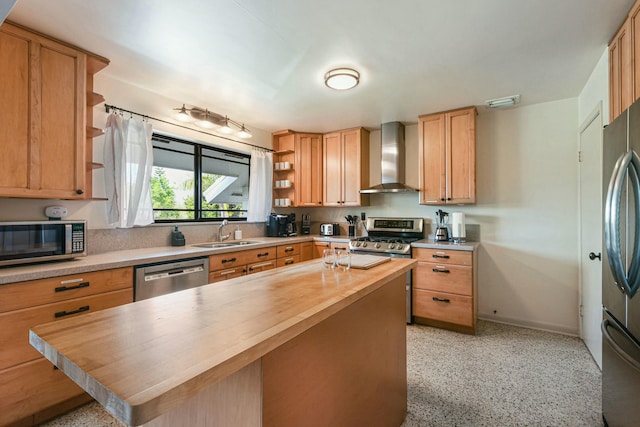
507, 101
342, 78
209, 120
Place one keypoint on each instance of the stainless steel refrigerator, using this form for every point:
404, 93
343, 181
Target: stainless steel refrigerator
621, 271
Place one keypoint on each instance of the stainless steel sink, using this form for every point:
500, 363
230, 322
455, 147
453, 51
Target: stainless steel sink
214, 245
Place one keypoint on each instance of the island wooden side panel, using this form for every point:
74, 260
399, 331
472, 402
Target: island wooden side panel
348, 370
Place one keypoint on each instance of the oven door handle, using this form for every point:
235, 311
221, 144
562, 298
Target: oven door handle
614, 346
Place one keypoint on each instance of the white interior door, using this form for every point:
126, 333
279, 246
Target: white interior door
590, 166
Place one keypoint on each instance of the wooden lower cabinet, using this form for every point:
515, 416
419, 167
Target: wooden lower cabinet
444, 289
32, 390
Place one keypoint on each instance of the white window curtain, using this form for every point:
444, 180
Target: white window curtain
128, 161
260, 182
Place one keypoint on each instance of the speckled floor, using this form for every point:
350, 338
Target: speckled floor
503, 376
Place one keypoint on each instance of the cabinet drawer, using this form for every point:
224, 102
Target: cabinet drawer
444, 256
228, 273
288, 250
338, 246
443, 307
33, 387
45, 291
240, 258
288, 260
14, 339
449, 278
257, 267
226, 261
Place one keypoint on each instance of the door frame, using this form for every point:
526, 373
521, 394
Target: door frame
595, 115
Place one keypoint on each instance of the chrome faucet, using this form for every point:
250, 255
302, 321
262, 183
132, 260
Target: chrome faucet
222, 238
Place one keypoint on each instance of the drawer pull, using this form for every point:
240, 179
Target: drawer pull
289, 262
264, 264
440, 270
441, 299
69, 313
264, 254
440, 255
70, 288
227, 272
224, 261
289, 249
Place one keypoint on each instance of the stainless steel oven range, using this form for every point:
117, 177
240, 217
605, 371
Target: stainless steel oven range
390, 237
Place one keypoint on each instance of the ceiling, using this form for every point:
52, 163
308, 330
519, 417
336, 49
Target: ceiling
263, 62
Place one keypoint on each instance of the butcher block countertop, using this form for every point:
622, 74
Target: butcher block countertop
142, 359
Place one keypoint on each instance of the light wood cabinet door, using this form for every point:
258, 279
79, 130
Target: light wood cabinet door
346, 167
31, 389
448, 157
351, 167
620, 73
306, 251
319, 247
308, 171
332, 167
461, 156
432, 159
634, 27
48, 138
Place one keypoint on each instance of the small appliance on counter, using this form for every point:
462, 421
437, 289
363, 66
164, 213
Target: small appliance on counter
281, 225
306, 224
442, 232
23, 242
330, 229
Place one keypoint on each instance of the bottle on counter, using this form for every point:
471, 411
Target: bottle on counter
238, 233
177, 238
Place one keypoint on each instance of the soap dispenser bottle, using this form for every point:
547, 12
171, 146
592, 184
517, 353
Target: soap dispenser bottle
177, 238
238, 233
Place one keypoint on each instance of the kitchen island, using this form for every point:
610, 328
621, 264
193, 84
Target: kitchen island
292, 346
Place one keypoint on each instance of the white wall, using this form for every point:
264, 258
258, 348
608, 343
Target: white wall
596, 91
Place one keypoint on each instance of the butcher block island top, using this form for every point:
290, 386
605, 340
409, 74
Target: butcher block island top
156, 356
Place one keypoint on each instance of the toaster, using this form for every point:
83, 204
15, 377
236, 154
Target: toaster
330, 229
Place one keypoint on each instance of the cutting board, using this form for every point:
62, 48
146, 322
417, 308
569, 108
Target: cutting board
367, 261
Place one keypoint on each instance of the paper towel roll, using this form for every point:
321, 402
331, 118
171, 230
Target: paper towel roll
458, 231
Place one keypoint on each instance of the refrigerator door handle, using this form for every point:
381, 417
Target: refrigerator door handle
628, 163
614, 346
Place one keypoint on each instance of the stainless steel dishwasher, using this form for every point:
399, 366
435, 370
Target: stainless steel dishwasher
153, 280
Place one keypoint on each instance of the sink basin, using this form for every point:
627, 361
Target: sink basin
214, 245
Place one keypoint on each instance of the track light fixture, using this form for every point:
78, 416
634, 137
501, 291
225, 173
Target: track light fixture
209, 120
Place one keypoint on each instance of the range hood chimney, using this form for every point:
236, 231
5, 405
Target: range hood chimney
392, 161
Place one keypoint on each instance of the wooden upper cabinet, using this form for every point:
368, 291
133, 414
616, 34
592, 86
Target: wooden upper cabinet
308, 174
447, 144
634, 48
43, 111
346, 167
620, 71
45, 135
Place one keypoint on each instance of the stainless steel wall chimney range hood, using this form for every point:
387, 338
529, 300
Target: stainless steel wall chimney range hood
392, 161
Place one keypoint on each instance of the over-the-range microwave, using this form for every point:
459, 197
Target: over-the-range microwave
24, 242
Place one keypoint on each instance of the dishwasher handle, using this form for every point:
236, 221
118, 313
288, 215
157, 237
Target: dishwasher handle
150, 277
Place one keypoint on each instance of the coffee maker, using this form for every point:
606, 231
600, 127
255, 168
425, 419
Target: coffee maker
281, 225
442, 232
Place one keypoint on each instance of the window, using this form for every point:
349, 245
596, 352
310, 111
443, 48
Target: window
195, 182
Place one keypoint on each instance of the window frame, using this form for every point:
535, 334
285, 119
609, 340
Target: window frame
197, 186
